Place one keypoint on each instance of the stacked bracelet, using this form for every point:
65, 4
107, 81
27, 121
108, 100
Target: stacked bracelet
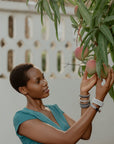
84, 103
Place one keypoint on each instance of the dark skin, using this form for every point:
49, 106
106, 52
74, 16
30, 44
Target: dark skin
37, 89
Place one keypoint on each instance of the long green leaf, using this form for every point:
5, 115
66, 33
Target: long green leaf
47, 9
107, 33
99, 7
86, 36
113, 29
27, 2
56, 26
74, 26
112, 52
38, 4
41, 9
73, 21
82, 32
98, 62
86, 44
109, 18
102, 45
84, 12
62, 3
51, 4
56, 10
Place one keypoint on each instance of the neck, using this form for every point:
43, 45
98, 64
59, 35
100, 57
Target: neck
35, 104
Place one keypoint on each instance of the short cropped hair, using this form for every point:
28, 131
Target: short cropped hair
18, 76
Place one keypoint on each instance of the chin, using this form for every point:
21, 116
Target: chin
45, 95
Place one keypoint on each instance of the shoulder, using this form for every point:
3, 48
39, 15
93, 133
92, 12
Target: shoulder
20, 117
21, 114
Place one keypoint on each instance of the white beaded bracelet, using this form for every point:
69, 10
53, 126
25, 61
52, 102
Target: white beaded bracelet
98, 102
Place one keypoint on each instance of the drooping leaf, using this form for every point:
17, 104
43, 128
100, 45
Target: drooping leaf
37, 5
27, 2
47, 9
74, 26
109, 18
72, 2
73, 21
86, 44
86, 36
98, 62
99, 7
41, 9
107, 33
112, 52
111, 9
56, 26
83, 31
113, 29
92, 23
62, 2
84, 12
56, 10
102, 45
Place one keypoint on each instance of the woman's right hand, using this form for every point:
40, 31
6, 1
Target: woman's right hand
102, 90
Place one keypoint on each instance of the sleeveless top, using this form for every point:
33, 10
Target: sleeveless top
27, 114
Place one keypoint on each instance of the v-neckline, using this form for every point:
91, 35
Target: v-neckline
57, 124
53, 116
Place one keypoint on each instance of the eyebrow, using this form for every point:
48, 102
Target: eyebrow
39, 77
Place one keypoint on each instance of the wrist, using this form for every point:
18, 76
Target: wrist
84, 93
100, 98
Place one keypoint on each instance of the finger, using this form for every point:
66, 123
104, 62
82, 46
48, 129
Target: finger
99, 82
112, 78
93, 78
85, 74
108, 79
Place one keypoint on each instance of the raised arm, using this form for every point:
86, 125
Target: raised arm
85, 87
44, 133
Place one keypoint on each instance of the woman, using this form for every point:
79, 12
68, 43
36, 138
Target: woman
48, 124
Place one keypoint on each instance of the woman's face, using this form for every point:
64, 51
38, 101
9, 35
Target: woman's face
37, 86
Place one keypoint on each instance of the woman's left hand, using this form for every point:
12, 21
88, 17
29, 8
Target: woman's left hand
87, 84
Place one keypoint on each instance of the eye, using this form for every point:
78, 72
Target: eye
38, 81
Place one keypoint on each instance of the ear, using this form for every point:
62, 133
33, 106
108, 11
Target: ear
23, 90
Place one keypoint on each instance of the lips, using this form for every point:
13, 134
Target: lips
46, 90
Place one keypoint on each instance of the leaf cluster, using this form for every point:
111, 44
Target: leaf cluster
94, 22
97, 31
52, 9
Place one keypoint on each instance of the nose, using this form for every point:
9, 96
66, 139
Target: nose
44, 82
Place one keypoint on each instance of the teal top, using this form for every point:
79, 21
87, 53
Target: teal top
27, 114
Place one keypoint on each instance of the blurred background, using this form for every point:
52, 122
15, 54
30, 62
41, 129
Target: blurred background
24, 39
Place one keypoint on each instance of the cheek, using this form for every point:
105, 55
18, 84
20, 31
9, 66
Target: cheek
35, 91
